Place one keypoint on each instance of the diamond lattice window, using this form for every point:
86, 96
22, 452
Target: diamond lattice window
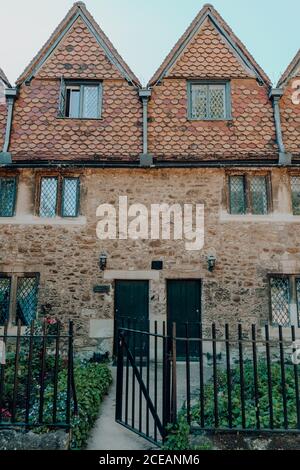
7, 196
18, 298
280, 300
295, 187
237, 195
209, 101
48, 197
5, 284
249, 194
259, 195
26, 301
70, 197
59, 196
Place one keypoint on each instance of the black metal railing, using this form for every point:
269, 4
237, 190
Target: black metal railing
237, 379
37, 388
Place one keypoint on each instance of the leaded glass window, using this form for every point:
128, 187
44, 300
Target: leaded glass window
209, 101
280, 300
70, 197
7, 196
80, 100
5, 284
237, 195
26, 301
48, 197
259, 195
295, 187
59, 196
249, 194
18, 298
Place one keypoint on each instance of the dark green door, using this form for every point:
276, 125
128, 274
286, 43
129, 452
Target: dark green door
132, 308
184, 306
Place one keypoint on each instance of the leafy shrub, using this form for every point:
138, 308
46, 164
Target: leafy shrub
178, 437
250, 407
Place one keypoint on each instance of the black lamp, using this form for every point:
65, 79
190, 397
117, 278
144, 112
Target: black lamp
103, 261
211, 263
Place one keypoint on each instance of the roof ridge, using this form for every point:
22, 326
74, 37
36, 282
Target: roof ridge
289, 70
4, 78
81, 8
207, 9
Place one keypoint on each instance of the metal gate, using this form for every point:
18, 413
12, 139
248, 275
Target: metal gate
143, 401
243, 381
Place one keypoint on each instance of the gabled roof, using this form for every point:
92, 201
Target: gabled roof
4, 78
234, 43
78, 10
291, 69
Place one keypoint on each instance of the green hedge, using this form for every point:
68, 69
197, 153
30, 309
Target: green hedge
92, 384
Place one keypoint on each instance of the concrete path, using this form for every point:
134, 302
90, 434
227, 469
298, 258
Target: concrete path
107, 434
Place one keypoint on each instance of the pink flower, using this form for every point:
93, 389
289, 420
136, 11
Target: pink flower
5, 413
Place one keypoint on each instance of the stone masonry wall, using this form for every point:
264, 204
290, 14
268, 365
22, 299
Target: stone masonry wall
66, 252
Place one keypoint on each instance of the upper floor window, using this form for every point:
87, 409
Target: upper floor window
295, 188
209, 100
8, 187
59, 196
285, 299
18, 298
80, 100
249, 194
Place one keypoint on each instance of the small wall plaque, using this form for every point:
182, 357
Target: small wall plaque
101, 289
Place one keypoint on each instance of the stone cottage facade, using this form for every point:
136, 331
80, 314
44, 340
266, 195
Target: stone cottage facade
207, 130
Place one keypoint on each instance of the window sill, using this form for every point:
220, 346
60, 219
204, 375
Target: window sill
34, 220
225, 217
64, 118
12, 330
286, 333
210, 120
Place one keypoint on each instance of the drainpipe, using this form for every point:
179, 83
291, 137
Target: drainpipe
5, 155
284, 157
145, 158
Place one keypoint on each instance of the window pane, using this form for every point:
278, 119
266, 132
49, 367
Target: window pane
295, 183
90, 102
217, 102
199, 105
48, 197
4, 299
7, 196
73, 97
259, 194
70, 197
280, 300
237, 195
26, 299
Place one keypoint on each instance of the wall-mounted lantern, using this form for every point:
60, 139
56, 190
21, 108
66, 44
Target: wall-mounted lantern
103, 261
211, 263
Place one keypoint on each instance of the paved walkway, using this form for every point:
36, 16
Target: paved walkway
107, 434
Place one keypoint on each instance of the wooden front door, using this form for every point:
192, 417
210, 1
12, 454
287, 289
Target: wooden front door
184, 306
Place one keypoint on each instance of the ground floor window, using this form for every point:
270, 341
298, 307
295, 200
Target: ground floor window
18, 298
285, 299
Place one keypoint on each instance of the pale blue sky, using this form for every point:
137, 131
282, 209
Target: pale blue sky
144, 31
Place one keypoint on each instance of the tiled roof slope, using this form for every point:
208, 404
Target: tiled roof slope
79, 10
291, 69
209, 17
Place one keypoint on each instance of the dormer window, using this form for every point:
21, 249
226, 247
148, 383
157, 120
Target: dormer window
80, 100
209, 101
